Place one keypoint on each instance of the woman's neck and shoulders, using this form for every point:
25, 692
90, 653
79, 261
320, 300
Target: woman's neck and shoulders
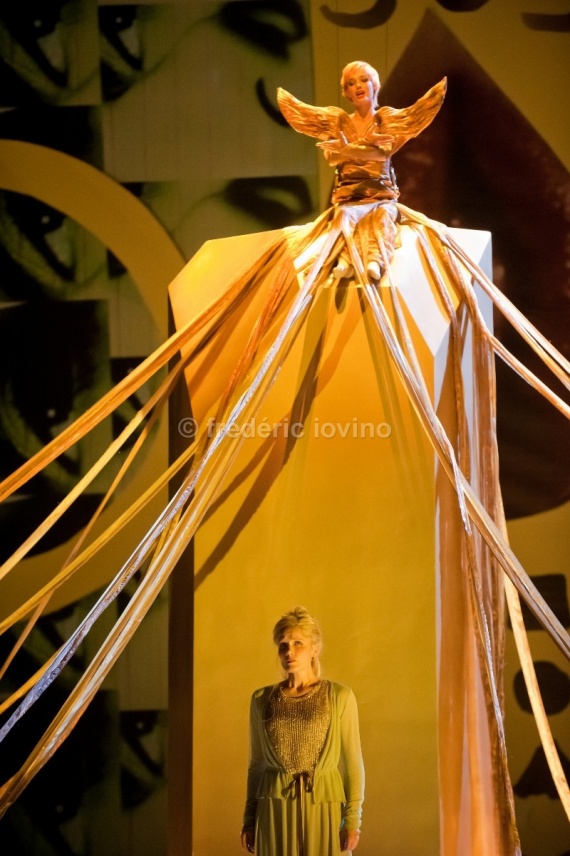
335, 689
297, 689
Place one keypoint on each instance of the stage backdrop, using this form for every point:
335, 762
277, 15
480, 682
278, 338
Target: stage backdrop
172, 104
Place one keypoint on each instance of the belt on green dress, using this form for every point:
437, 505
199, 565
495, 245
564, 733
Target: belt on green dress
303, 780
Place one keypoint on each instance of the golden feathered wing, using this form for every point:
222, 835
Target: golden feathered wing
405, 123
319, 122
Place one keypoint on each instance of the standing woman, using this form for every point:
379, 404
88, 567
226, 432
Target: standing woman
305, 782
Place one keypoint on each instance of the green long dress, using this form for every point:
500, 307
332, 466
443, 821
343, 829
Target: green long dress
306, 776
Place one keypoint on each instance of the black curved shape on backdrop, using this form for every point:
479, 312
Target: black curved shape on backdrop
277, 201
375, 16
546, 23
271, 25
554, 688
536, 780
552, 587
267, 105
462, 5
481, 165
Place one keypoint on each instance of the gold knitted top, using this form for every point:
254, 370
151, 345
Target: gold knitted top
297, 727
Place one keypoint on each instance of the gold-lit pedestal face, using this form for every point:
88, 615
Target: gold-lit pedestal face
330, 503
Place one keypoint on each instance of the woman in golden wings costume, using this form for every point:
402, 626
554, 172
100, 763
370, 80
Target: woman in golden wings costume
361, 146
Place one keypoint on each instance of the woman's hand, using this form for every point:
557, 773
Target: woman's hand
349, 839
248, 839
343, 148
333, 145
335, 151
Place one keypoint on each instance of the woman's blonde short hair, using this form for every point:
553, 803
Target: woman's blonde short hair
351, 68
299, 617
